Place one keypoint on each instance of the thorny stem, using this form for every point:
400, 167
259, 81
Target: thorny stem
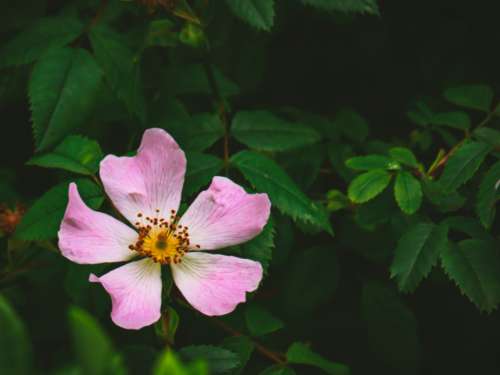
275, 357
444, 160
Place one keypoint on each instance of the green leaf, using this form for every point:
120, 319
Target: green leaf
93, 348
467, 225
417, 252
200, 170
470, 96
203, 131
169, 364
352, 125
262, 130
301, 354
368, 185
75, 154
241, 345
446, 201
463, 164
369, 162
261, 247
391, 328
218, 359
346, 6
62, 88
42, 220
267, 176
488, 135
314, 266
46, 34
278, 370
121, 67
408, 192
488, 195
404, 156
456, 119
257, 13
260, 321
473, 265
15, 355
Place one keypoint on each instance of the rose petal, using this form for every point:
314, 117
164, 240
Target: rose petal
135, 291
225, 215
149, 181
88, 237
215, 284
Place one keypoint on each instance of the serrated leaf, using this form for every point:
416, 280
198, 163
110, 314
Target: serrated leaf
456, 119
260, 321
446, 201
62, 88
261, 247
75, 154
263, 130
404, 156
368, 185
121, 68
243, 347
218, 359
391, 328
352, 125
42, 220
93, 348
257, 13
346, 6
417, 252
470, 96
473, 265
488, 195
302, 354
203, 131
463, 164
408, 192
32, 43
200, 170
369, 162
15, 356
267, 176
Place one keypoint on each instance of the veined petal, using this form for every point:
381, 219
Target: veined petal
135, 291
88, 237
225, 215
215, 284
150, 180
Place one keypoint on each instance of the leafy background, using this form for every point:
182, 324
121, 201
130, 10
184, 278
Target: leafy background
373, 127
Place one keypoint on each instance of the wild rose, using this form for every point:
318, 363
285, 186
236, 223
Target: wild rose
146, 189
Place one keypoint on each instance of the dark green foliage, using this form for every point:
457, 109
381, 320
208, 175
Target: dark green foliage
417, 252
62, 90
377, 119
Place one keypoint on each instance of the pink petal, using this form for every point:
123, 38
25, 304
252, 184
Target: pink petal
215, 284
87, 236
135, 291
150, 180
225, 215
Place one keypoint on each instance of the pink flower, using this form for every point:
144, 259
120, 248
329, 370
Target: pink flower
146, 189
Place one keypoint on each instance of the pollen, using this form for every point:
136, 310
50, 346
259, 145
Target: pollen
161, 239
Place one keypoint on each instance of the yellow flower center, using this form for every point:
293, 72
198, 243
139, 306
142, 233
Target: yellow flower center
162, 240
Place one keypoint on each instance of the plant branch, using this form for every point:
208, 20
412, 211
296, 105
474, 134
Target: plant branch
275, 357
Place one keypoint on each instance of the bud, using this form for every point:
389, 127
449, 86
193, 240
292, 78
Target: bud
10, 218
